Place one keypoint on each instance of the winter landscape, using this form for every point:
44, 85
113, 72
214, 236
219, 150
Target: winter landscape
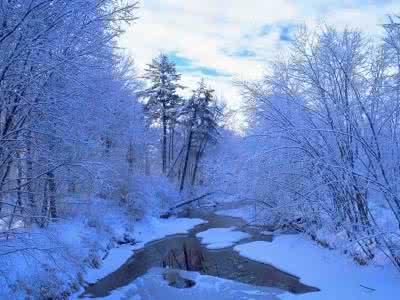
185, 149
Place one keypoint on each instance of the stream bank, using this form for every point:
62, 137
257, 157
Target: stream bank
186, 252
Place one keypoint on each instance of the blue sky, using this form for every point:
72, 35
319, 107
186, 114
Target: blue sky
225, 40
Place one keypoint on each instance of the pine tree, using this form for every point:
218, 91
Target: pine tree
202, 114
162, 100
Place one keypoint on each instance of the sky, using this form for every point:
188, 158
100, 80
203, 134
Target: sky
228, 40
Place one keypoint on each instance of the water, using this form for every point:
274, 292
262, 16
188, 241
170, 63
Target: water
186, 252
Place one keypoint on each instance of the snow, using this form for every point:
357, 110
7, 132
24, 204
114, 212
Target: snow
218, 238
267, 232
153, 195
336, 275
115, 258
152, 228
247, 213
145, 231
152, 286
52, 260
47, 261
92, 232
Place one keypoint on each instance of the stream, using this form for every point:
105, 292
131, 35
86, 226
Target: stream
184, 251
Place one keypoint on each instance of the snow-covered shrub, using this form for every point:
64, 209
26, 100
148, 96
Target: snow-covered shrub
152, 195
48, 263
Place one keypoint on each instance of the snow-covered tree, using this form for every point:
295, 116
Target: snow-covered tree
63, 94
325, 122
201, 114
162, 101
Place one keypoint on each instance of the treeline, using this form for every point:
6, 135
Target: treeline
69, 119
326, 131
187, 126
79, 135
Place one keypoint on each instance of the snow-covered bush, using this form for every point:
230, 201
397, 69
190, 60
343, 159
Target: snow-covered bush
49, 263
152, 195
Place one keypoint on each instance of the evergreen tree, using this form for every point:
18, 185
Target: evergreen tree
202, 114
162, 100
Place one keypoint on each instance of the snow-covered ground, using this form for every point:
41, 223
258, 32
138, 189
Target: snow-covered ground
336, 275
89, 240
83, 246
114, 259
44, 262
152, 286
152, 228
247, 213
145, 231
218, 238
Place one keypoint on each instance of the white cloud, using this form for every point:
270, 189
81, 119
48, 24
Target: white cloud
208, 32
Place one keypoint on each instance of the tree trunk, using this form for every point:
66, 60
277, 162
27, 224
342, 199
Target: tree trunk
171, 149
29, 171
3, 179
189, 145
197, 160
146, 160
164, 141
52, 194
19, 182
45, 204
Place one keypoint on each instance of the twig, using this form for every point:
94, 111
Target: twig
368, 288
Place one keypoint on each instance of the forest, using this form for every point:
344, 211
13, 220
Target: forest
99, 161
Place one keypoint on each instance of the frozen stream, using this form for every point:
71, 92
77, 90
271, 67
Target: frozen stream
187, 253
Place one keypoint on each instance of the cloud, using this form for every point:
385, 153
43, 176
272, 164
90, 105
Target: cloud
180, 61
186, 65
244, 53
265, 30
286, 32
224, 40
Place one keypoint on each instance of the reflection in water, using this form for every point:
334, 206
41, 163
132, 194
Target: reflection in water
186, 252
